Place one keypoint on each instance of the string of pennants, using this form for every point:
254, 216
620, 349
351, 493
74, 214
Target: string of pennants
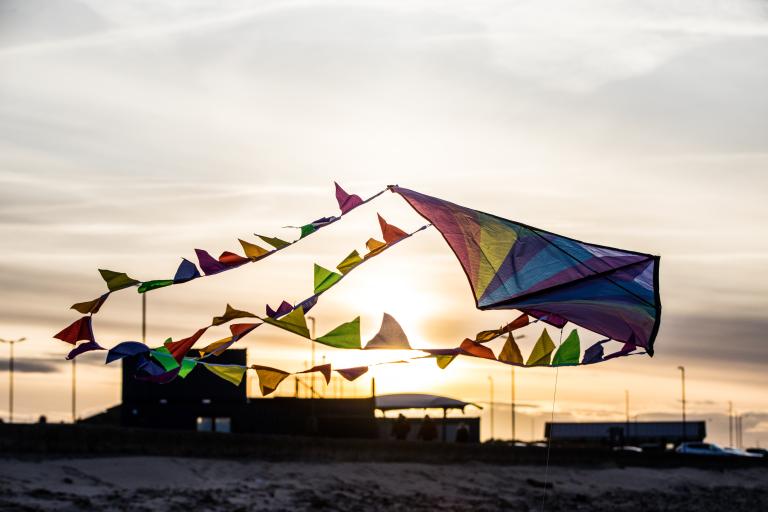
188, 271
164, 364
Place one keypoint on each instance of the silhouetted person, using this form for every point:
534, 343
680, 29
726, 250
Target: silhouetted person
401, 428
428, 430
43, 419
462, 433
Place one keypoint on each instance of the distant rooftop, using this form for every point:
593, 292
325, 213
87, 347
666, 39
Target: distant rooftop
419, 401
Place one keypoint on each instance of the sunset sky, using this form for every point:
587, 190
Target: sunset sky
133, 132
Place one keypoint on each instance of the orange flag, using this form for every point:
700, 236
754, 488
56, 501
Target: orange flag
390, 233
473, 348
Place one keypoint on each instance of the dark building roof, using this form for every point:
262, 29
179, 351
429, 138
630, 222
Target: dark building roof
419, 401
650, 431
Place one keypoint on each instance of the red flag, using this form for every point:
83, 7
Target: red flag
179, 349
79, 330
240, 330
231, 259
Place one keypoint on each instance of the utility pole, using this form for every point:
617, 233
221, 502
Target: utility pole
514, 436
682, 376
490, 380
312, 361
74, 390
10, 372
626, 411
144, 318
730, 423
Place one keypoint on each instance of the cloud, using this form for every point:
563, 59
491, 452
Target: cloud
30, 366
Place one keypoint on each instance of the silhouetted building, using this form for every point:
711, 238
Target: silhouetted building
202, 401
648, 433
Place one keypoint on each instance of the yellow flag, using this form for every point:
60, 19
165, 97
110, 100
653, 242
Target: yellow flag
444, 361
215, 348
91, 306
293, 322
253, 251
349, 262
230, 373
510, 353
269, 378
230, 314
542, 351
374, 247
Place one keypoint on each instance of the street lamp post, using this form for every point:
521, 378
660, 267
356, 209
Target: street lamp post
10, 371
490, 380
74, 391
682, 376
312, 362
730, 423
513, 404
626, 411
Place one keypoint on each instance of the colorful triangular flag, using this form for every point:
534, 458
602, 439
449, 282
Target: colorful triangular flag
390, 336
117, 280
542, 351
569, 351
344, 336
325, 278
346, 201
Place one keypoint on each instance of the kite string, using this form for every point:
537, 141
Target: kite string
551, 427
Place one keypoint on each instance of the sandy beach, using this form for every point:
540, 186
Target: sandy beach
174, 483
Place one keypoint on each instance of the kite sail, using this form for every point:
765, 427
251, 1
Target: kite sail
509, 265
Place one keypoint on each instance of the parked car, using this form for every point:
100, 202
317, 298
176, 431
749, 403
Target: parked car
709, 449
758, 451
628, 449
741, 453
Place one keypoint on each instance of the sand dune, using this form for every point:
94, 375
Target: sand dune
168, 483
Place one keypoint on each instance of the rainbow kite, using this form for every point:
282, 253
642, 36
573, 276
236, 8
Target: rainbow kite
509, 265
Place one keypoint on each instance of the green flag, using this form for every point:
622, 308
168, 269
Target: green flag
164, 357
344, 336
187, 365
153, 285
324, 278
569, 351
307, 229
